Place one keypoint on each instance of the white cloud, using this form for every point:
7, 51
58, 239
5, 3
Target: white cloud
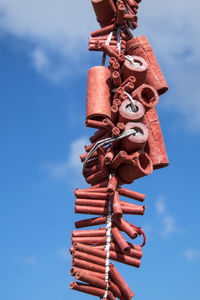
39, 59
192, 254
169, 226
167, 222
64, 254
28, 261
160, 205
72, 165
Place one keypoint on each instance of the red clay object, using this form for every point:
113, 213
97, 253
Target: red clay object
127, 114
131, 194
116, 205
138, 69
155, 147
98, 93
88, 265
147, 95
89, 233
74, 270
140, 46
120, 282
120, 241
139, 165
135, 141
90, 222
105, 10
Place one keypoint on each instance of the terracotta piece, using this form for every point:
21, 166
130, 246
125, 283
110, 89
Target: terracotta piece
138, 69
136, 141
127, 113
147, 95
105, 10
98, 93
155, 147
140, 46
139, 165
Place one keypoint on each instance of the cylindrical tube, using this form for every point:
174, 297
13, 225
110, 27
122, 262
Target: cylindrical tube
93, 280
140, 46
105, 10
119, 239
116, 205
137, 68
88, 257
79, 209
103, 254
88, 265
136, 141
129, 114
98, 93
155, 146
139, 166
120, 282
126, 227
89, 233
90, 195
89, 202
131, 194
90, 222
112, 185
84, 288
90, 273
146, 95
92, 240
116, 78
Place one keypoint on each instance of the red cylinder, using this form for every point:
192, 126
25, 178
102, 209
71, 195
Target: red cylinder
140, 46
117, 209
155, 146
131, 194
120, 240
98, 93
105, 11
146, 95
92, 232
138, 166
90, 273
88, 265
135, 141
90, 222
120, 282
138, 69
129, 114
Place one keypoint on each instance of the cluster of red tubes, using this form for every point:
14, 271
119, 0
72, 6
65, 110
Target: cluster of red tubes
127, 145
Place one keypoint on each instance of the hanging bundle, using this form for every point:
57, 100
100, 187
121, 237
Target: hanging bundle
128, 144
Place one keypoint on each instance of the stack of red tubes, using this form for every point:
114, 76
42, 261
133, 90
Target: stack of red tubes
127, 145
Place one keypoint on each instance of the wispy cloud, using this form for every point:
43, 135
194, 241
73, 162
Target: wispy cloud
192, 255
167, 221
28, 260
57, 29
169, 226
160, 205
63, 253
70, 168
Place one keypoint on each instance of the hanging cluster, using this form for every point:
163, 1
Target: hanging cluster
127, 145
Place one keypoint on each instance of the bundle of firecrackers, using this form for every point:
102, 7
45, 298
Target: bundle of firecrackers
120, 98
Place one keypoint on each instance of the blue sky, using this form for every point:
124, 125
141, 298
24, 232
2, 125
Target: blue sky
43, 72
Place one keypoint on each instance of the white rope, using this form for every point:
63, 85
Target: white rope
106, 142
108, 241
119, 30
107, 43
132, 102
